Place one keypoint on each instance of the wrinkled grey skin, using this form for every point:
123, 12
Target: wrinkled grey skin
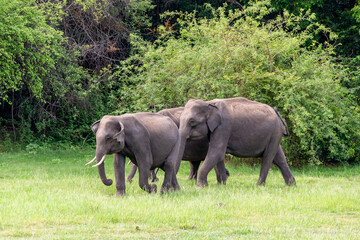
195, 150
150, 140
236, 126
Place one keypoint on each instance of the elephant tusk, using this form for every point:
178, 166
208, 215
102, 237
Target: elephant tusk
91, 161
101, 161
129, 162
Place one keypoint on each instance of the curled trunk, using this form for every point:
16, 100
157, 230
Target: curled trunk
101, 169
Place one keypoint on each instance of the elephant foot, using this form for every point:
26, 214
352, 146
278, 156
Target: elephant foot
291, 182
120, 193
202, 184
171, 189
129, 180
176, 187
152, 189
192, 177
167, 188
222, 183
260, 183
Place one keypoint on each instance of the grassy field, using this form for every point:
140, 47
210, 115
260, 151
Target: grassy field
52, 195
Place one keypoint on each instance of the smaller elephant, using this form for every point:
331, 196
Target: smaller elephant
195, 150
150, 140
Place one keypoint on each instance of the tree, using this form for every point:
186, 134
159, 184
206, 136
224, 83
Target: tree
42, 87
237, 54
100, 29
28, 48
339, 16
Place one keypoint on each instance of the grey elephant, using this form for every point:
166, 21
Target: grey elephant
150, 140
195, 150
237, 126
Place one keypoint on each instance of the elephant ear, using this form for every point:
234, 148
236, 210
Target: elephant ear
95, 126
214, 118
120, 136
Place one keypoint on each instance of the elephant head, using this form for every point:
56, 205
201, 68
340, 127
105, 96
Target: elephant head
197, 121
110, 138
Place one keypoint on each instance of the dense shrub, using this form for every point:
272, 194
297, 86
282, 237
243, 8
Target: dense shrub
44, 95
236, 54
99, 29
28, 47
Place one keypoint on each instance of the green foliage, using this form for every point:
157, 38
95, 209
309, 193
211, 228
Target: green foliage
296, 5
263, 52
340, 16
236, 54
28, 47
99, 29
356, 11
44, 94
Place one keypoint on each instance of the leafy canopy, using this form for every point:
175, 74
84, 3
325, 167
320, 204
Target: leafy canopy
238, 54
28, 47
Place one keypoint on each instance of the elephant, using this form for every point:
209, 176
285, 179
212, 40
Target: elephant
195, 150
150, 140
237, 126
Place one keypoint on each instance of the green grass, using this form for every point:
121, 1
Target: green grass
52, 195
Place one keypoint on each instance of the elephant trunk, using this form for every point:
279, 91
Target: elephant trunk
181, 150
101, 167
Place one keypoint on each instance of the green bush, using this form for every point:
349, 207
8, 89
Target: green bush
44, 94
28, 47
237, 54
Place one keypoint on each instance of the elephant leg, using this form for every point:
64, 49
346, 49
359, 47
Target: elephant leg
153, 176
119, 169
171, 167
144, 161
170, 180
227, 172
203, 173
194, 167
132, 173
174, 182
267, 160
280, 162
144, 174
221, 172
214, 156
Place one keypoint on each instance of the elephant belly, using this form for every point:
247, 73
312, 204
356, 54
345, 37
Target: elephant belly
249, 141
161, 149
246, 149
244, 153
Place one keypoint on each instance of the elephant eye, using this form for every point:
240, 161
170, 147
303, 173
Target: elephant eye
192, 122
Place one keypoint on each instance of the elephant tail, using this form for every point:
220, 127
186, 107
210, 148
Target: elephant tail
283, 121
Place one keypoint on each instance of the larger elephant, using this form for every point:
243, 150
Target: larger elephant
150, 141
237, 126
195, 150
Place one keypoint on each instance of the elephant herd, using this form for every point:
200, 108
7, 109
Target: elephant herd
199, 131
